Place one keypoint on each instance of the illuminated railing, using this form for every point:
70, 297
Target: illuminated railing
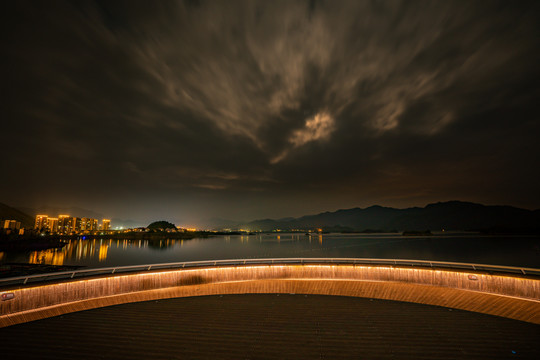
23, 280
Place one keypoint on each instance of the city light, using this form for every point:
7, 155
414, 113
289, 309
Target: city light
70, 225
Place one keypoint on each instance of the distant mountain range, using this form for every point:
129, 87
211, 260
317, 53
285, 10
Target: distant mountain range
451, 215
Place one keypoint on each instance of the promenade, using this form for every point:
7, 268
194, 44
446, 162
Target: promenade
272, 326
503, 291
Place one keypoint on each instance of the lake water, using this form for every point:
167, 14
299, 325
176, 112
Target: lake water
523, 251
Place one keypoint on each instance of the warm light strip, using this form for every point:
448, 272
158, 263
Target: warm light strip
299, 261
264, 266
179, 279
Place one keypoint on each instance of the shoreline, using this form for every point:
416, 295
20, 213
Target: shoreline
45, 242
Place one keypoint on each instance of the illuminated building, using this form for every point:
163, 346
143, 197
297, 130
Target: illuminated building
41, 222
76, 224
93, 224
85, 224
88, 224
53, 225
64, 224
12, 224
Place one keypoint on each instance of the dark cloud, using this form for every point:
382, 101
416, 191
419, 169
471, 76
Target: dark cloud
249, 109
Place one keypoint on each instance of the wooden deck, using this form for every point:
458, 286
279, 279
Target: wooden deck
505, 306
515, 297
276, 326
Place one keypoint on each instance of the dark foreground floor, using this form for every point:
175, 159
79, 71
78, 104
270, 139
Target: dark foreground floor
272, 327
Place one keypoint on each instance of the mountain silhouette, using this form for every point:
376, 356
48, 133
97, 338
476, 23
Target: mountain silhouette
451, 215
10, 213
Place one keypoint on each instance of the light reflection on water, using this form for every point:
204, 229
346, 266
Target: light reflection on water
496, 250
79, 252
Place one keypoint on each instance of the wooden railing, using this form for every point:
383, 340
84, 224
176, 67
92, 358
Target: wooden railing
76, 274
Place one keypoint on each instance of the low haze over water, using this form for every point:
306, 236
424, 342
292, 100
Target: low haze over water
523, 251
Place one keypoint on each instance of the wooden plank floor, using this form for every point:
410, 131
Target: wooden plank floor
510, 307
272, 327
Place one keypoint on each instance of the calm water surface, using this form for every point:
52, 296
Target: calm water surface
521, 251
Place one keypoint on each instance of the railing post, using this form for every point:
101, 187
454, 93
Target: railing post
149, 268
72, 275
25, 280
523, 271
113, 270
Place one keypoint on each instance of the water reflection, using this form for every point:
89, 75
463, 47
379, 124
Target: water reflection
103, 252
496, 250
78, 251
49, 257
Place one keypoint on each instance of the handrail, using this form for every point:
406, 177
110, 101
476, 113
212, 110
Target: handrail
23, 280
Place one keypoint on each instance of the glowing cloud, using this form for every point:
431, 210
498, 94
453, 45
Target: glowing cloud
319, 127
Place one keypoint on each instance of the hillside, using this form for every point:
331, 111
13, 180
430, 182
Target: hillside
452, 215
55, 211
10, 213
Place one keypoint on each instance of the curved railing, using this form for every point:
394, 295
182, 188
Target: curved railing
66, 275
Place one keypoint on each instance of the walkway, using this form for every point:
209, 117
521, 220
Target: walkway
507, 292
272, 327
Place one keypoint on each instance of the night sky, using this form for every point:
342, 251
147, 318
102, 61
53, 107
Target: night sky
187, 110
